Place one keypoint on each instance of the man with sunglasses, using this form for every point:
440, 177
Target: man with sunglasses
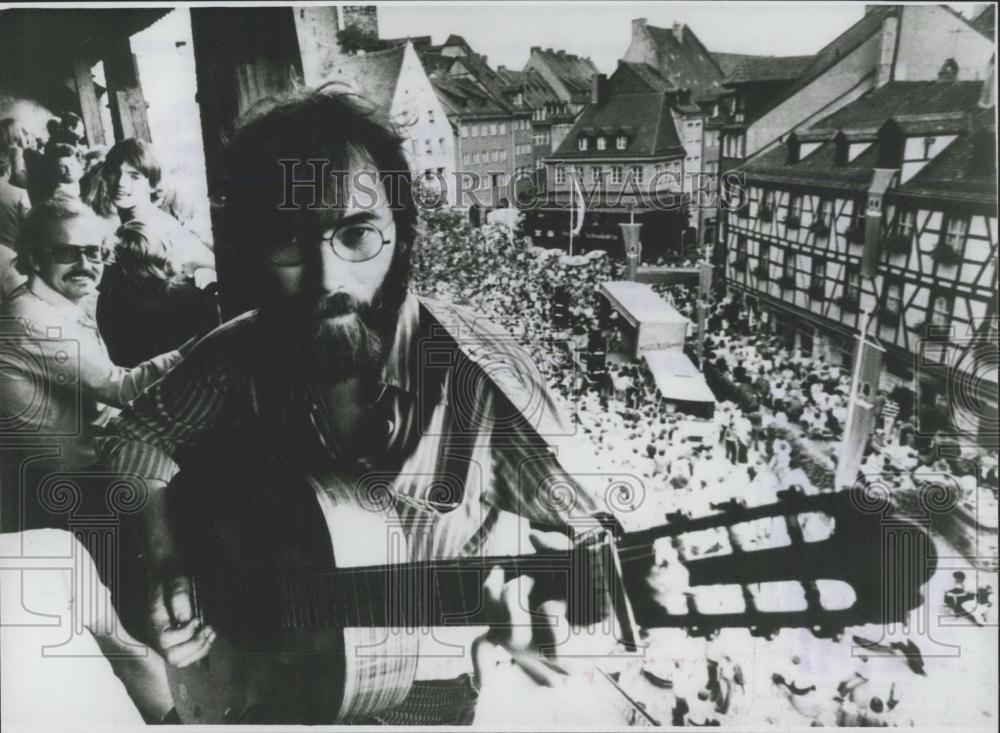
58, 380
340, 368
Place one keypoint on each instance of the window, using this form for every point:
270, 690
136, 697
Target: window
620, 142
616, 174
466, 159
905, 223
464, 130
503, 154
954, 236
441, 143
740, 263
764, 261
817, 281
852, 287
484, 130
560, 174
602, 143
503, 128
794, 205
475, 131
596, 174
637, 173
892, 303
581, 144
430, 116
427, 147
493, 128
939, 310
494, 156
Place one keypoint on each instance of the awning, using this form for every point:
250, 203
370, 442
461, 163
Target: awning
676, 377
640, 304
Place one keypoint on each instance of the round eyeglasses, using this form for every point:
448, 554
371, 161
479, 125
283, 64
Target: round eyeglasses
353, 243
67, 254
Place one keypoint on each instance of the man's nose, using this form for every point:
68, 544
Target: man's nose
333, 270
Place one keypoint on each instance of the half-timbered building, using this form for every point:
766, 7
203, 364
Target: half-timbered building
888, 206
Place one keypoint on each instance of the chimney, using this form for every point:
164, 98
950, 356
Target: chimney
887, 53
598, 88
536, 49
638, 26
987, 100
948, 71
678, 30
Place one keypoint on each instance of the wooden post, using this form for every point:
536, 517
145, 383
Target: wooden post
241, 55
90, 107
128, 106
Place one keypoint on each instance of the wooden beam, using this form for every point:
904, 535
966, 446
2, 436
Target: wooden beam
241, 55
128, 105
90, 107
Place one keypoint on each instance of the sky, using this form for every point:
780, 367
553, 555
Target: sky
506, 31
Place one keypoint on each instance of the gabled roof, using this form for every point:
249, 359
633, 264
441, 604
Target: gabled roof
913, 102
531, 84
649, 75
686, 63
833, 52
574, 71
768, 68
373, 74
644, 118
466, 99
916, 108
727, 62
986, 21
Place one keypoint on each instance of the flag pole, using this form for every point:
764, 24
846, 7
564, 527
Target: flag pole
855, 375
572, 199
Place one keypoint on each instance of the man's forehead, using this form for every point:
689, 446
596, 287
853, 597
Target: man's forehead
79, 230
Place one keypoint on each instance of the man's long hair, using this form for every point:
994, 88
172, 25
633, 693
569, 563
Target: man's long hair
304, 125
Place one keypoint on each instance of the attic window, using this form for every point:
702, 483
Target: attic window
581, 143
602, 143
792, 149
620, 142
840, 152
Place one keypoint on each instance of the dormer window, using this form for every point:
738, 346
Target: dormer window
620, 142
581, 144
793, 149
602, 143
841, 150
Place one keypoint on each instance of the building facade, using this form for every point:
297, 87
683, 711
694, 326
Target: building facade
887, 206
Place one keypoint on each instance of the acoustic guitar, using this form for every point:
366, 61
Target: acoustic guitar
316, 606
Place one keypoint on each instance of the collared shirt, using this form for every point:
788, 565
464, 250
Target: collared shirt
58, 377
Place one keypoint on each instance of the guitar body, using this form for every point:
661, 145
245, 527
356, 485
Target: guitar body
278, 659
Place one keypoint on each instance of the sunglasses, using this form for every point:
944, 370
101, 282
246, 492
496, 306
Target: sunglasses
67, 254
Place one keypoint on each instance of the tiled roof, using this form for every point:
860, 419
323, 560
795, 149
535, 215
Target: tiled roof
816, 169
466, 99
649, 75
727, 62
986, 21
687, 63
372, 74
906, 101
918, 108
838, 48
536, 90
644, 118
574, 71
768, 68
953, 173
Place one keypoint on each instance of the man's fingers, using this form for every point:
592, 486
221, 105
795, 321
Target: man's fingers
171, 636
516, 605
188, 652
158, 614
178, 596
549, 541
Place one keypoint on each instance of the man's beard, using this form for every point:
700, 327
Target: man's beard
344, 338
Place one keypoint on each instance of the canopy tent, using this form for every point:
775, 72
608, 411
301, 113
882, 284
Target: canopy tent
679, 381
658, 324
